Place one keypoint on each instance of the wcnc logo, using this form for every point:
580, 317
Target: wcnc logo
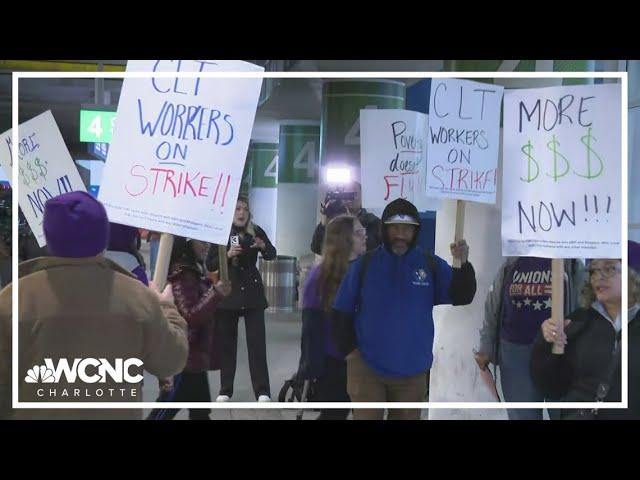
87, 371
118, 372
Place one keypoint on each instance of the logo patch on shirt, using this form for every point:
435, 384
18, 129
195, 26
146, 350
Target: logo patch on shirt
420, 277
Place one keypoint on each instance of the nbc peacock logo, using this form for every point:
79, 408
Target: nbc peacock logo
40, 374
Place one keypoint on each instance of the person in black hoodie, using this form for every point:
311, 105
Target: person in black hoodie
246, 300
382, 313
590, 369
332, 208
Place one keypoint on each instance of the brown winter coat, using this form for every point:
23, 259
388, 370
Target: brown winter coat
78, 308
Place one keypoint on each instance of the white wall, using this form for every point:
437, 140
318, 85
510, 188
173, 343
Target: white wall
296, 218
263, 202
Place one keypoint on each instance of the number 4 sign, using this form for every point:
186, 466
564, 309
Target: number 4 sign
272, 168
306, 160
96, 126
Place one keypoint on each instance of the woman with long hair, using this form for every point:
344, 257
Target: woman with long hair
196, 300
345, 240
247, 300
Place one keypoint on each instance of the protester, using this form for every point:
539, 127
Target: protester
76, 305
383, 313
589, 370
196, 300
345, 240
519, 300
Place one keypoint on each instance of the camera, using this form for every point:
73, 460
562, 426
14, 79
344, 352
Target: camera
334, 203
340, 195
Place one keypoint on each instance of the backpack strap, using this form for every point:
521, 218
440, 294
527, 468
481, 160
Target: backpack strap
366, 259
431, 263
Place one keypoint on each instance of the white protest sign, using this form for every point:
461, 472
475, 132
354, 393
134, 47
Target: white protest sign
464, 130
561, 172
45, 168
393, 158
179, 146
6, 157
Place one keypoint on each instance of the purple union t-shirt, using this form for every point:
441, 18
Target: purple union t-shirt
526, 299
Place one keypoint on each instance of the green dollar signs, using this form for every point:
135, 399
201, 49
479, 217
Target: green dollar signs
34, 175
586, 140
25, 179
41, 167
526, 149
552, 146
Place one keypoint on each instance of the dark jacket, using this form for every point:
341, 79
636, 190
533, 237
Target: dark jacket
196, 300
576, 375
247, 290
633, 412
368, 220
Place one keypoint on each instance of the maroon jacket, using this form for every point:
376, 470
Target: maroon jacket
196, 300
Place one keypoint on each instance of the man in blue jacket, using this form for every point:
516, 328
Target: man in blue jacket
382, 314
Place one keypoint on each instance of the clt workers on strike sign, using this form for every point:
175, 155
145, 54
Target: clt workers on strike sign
464, 125
176, 160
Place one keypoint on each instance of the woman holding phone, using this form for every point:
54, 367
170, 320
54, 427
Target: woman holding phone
247, 300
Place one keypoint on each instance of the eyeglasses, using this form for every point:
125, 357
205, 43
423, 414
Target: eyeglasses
607, 271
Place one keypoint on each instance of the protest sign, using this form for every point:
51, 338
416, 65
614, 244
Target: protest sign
561, 172
393, 158
45, 168
179, 146
464, 131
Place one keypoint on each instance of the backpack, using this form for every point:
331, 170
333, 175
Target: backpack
293, 390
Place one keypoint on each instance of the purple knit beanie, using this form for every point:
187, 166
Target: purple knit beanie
75, 225
121, 237
634, 255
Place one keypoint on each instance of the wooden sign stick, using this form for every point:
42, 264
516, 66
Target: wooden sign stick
557, 299
222, 262
459, 232
162, 261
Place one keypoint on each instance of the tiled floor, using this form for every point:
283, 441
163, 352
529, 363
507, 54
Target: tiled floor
283, 353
